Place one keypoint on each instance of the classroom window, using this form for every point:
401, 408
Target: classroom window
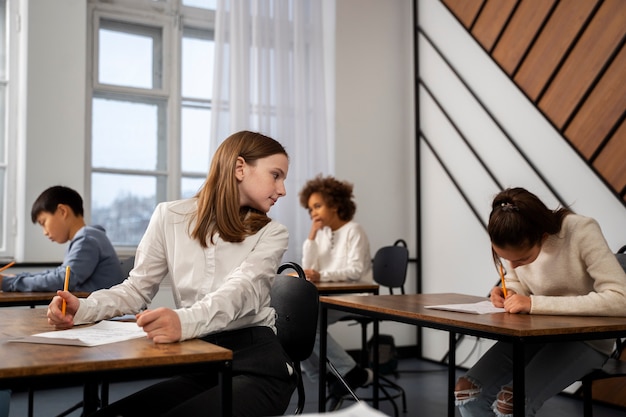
150, 109
6, 117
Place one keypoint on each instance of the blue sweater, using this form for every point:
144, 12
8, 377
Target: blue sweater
93, 265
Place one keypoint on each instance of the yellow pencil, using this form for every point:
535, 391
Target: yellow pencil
502, 280
66, 286
7, 266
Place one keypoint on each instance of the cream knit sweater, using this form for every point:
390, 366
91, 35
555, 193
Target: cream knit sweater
576, 273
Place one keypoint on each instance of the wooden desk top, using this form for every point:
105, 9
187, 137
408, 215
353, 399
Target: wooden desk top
18, 298
410, 309
346, 287
21, 360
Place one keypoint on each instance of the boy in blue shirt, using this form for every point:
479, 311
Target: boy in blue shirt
90, 255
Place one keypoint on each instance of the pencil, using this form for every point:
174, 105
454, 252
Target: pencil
7, 266
502, 280
66, 286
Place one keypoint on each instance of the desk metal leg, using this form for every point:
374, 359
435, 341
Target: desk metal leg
322, 365
31, 401
90, 397
226, 384
519, 391
451, 371
375, 365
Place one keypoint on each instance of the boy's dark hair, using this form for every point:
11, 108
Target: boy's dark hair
50, 199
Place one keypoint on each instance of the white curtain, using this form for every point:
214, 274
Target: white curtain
269, 77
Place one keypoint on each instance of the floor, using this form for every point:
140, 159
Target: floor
424, 382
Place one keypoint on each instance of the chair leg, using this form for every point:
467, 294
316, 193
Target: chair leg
343, 381
390, 398
587, 398
364, 353
398, 388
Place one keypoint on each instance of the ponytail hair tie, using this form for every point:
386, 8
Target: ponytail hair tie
509, 207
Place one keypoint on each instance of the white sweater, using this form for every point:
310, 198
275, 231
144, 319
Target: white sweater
342, 255
576, 273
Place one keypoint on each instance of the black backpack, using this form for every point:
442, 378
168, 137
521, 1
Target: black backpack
387, 354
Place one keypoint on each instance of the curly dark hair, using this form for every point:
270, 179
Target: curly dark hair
336, 194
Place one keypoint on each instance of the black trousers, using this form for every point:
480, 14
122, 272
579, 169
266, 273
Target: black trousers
262, 385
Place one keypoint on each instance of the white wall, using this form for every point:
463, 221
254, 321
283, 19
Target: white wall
451, 231
54, 126
375, 130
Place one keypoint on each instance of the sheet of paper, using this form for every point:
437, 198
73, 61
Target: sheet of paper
481, 307
360, 409
98, 334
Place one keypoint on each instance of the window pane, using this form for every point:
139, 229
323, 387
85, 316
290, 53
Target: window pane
3, 173
3, 108
190, 186
197, 64
123, 204
195, 130
125, 135
129, 55
204, 4
3, 41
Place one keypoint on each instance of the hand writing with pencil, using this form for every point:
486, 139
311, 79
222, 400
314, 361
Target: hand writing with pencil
55, 310
512, 303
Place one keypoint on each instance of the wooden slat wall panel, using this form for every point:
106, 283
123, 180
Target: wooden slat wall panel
520, 32
601, 111
569, 58
465, 10
551, 45
491, 21
611, 163
587, 58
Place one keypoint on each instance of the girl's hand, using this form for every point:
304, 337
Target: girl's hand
315, 226
161, 324
55, 310
517, 303
497, 297
312, 275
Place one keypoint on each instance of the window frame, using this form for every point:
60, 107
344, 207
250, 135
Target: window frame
172, 18
12, 130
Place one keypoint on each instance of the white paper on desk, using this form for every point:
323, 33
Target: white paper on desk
360, 409
98, 334
481, 307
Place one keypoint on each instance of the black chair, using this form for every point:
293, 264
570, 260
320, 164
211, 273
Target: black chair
389, 268
127, 264
614, 367
296, 302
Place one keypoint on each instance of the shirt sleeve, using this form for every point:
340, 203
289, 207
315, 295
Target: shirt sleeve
82, 258
608, 296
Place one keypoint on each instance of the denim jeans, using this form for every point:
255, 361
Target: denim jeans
550, 368
337, 354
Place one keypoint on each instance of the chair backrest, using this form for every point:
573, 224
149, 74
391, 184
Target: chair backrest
621, 256
127, 264
390, 265
296, 302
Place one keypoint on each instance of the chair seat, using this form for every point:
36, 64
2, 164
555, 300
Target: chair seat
612, 368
